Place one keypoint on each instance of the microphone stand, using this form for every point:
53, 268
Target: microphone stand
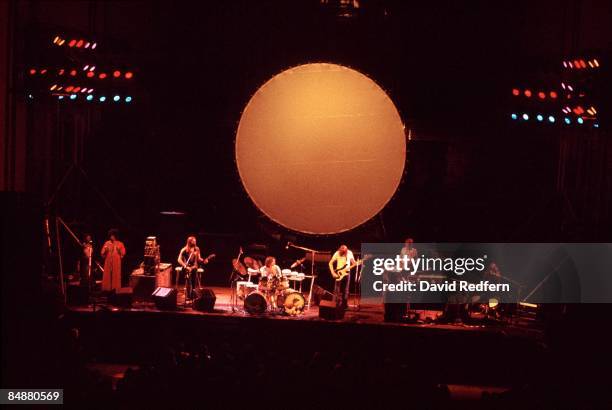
233, 295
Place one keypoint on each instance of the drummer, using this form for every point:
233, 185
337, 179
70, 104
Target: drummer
272, 272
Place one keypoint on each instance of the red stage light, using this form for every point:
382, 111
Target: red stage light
553, 94
527, 93
79, 43
515, 91
69, 88
116, 73
542, 95
73, 73
61, 71
129, 75
102, 76
72, 43
576, 63
32, 71
76, 89
582, 64
90, 74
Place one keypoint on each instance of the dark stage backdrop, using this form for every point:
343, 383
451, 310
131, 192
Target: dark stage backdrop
447, 66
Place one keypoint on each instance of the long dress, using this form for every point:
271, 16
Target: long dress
112, 252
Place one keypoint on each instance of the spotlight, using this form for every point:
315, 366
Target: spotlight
595, 125
542, 95
525, 116
43, 71
60, 97
102, 98
553, 94
94, 45
102, 76
73, 73
90, 74
61, 71
514, 116
565, 64
72, 43
73, 96
61, 42
567, 121
92, 68
56, 40
89, 97
129, 75
515, 91
53, 87
580, 120
32, 71
116, 98
129, 99
79, 43
551, 119
527, 93
69, 88
76, 89
87, 44
595, 62
116, 73
86, 67
540, 117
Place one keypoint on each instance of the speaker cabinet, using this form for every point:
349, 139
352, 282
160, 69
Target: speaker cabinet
204, 300
164, 298
331, 310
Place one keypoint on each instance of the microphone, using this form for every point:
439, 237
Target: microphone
288, 245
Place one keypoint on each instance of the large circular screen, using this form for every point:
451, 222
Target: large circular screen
320, 148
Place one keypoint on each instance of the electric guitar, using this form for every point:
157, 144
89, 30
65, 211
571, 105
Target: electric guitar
206, 260
343, 271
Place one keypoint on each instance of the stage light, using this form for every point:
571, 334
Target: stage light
569, 87
72, 43
567, 121
102, 98
43, 71
542, 95
60, 97
90, 74
116, 98
53, 87
73, 73
553, 94
73, 96
76, 89
570, 64
582, 64
61, 71
551, 119
595, 62
84, 90
595, 125
527, 93
128, 99
79, 43
526, 116
92, 68
514, 116
89, 97
56, 40
540, 117
69, 88
32, 71
591, 64
565, 64
116, 73
306, 114
90, 91
102, 76
61, 43
579, 120
515, 91
129, 75
94, 45
576, 63
86, 67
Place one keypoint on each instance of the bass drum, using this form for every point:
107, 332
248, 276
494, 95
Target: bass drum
255, 303
292, 303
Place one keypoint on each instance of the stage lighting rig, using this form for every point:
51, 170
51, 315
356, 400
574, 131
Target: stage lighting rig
75, 68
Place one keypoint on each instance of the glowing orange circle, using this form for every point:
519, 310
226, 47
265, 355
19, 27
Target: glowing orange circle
320, 148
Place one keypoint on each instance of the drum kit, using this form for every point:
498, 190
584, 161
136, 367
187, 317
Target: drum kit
272, 294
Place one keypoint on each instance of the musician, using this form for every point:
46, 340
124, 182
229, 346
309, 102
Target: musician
344, 260
409, 250
113, 252
85, 262
272, 274
189, 260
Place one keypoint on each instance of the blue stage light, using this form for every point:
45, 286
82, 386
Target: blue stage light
525, 116
540, 117
116, 98
128, 99
73, 96
551, 119
567, 120
514, 116
580, 120
102, 99
89, 97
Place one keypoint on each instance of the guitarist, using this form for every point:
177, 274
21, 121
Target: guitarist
189, 259
344, 261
